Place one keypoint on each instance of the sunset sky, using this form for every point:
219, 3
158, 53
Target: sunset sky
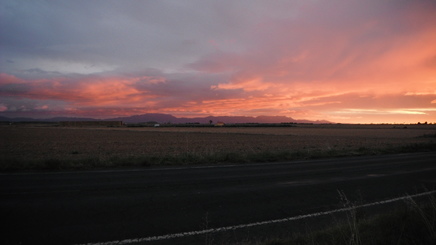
347, 61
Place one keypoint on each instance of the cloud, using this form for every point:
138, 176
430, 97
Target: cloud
315, 59
110, 96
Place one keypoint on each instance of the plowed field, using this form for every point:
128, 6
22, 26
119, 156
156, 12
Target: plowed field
106, 146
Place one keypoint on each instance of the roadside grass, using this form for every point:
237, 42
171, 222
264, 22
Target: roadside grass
192, 157
409, 223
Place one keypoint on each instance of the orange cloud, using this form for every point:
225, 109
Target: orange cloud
82, 91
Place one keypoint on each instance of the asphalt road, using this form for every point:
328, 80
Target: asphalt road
101, 206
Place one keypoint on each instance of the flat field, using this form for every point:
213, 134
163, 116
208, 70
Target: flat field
39, 147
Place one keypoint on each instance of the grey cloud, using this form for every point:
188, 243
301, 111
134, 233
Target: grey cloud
181, 88
37, 73
151, 33
14, 89
23, 104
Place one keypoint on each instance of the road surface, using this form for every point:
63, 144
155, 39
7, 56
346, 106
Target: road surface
109, 205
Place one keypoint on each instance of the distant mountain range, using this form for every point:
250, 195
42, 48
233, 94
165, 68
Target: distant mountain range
167, 118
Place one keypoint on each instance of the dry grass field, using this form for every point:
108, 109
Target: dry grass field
36, 147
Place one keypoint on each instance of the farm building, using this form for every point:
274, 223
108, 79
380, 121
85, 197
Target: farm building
91, 123
219, 124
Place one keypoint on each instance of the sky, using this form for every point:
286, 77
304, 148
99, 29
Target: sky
345, 61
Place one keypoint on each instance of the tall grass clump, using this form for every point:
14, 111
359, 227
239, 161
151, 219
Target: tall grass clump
410, 222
